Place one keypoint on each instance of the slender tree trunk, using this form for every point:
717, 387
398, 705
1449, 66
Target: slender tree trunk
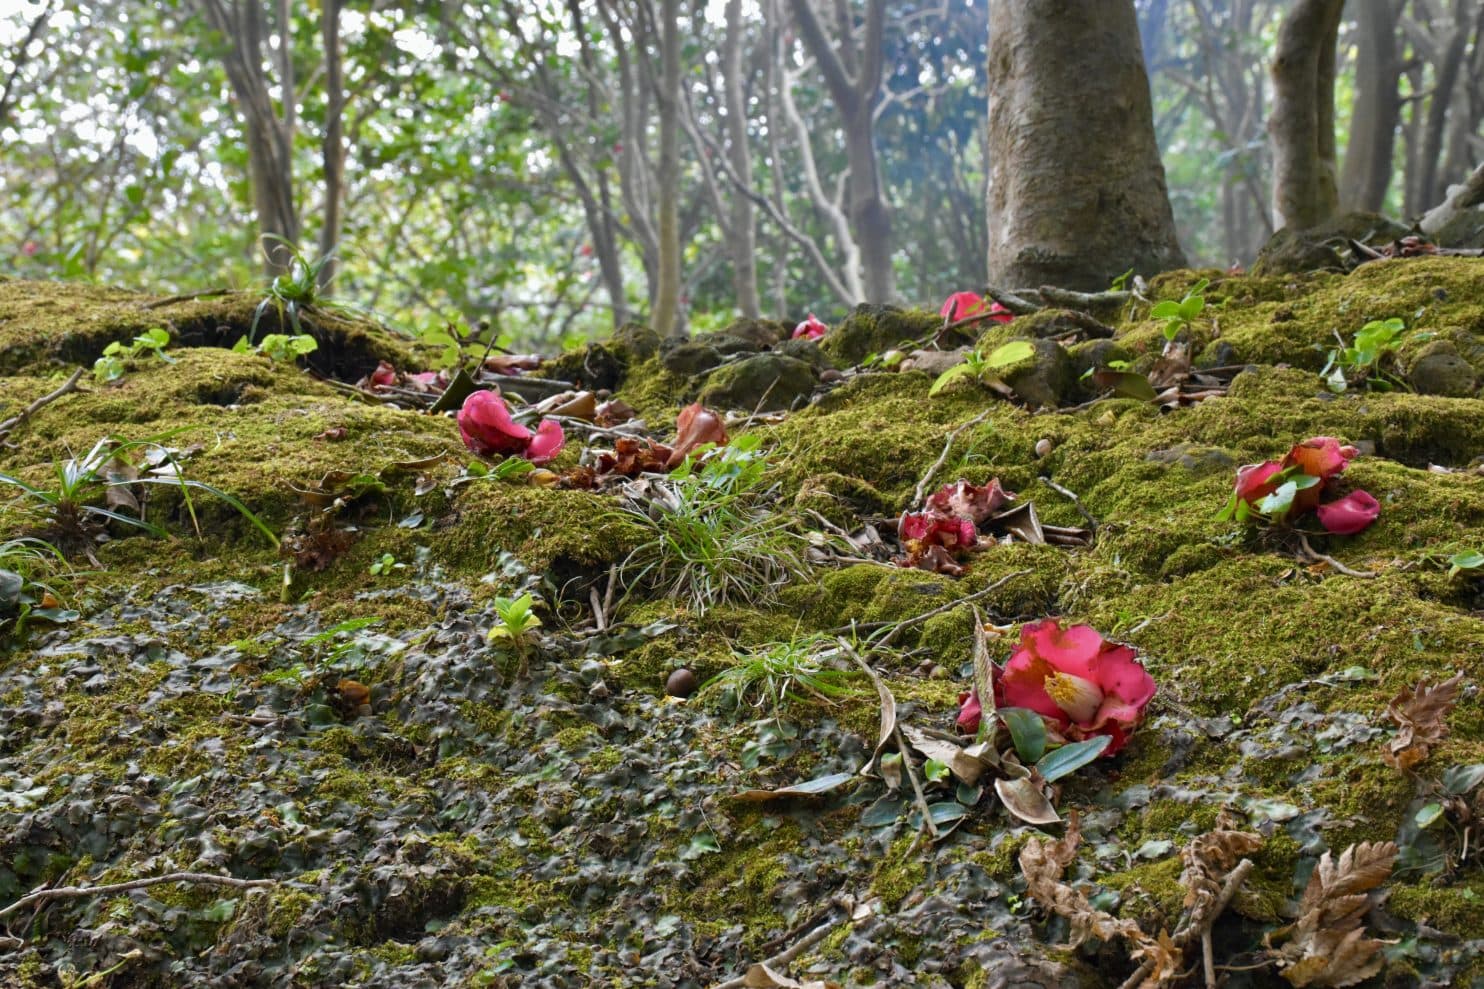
1429, 189
744, 223
1305, 188
1076, 190
667, 289
334, 139
1378, 109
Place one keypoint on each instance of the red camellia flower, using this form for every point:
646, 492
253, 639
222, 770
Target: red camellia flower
971, 501
1322, 457
932, 529
384, 376
1350, 514
488, 430
970, 712
695, 426
1255, 481
962, 305
810, 329
30, 248
1080, 683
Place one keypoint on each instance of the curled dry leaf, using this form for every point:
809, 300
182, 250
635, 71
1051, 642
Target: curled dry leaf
695, 426
1327, 945
1421, 713
1043, 861
1207, 860
761, 976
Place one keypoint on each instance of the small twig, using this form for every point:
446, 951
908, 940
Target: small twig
72, 892
782, 959
943, 457
1091, 300
1071, 496
1017, 304
981, 593
1339, 567
918, 795
70, 385
598, 618
189, 297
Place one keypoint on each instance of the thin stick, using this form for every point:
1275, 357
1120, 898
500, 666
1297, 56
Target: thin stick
922, 804
189, 297
782, 959
1206, 960
981, 593
1092, 523
72, 892
1339, 567
1066, 297
598, 619
70, 385
1017, 304
943, 457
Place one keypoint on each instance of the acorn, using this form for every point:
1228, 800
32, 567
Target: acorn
682, 683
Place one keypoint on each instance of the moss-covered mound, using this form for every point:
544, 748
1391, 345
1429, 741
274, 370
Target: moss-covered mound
431, 814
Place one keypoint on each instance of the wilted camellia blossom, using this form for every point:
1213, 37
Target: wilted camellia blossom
1348, 515
810, 329
695, 426
1323, 458
1082, 685
488, 430
962, 305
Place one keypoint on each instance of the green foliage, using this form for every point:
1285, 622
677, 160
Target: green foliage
1360, 364
279, 346
978, 366
773, 675
1179, 315
295, 293
1273, 507
110, 366
712, 538
29, 571
385, 565
517, 618
1470, 559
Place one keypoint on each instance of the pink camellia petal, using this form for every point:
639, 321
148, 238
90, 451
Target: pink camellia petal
1350, 514
547, 442
1073, 650
1000, 314
1022, 683
1320, 456
810, 329
961, 305
486, 426
384, 376
695, 426
428, 381
1255, 481
1123, 677
970, 712
914, 525
971, 501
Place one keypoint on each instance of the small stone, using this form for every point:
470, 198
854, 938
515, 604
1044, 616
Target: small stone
682, 683
831, 375
1043, 447
599, 691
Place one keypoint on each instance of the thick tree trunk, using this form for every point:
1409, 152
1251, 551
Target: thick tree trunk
1305, 188
667, 288
1378, 109
1076, 190
743, 222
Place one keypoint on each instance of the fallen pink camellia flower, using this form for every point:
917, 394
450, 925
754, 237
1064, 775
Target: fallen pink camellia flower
810, 329
428, 381
1255, 481
1348, 515
1322, 457
971, 501
962, 305
385, 376
932, 529
696, 425
488, 430
1080, 683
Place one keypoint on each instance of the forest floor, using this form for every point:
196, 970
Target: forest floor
333, 716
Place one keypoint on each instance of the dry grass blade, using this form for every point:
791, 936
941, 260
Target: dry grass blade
1327, 945
1420, 713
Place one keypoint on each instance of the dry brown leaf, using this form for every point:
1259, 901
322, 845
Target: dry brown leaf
1327, 945
1420, 713
760, 976
951, 754
1208, 858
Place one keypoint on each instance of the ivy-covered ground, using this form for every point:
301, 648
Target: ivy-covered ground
468, 823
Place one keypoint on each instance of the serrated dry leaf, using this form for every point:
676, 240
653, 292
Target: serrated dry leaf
1420, 713
1327, 945
1207, 859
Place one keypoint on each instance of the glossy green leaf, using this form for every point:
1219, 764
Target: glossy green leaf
1071, 757
1027, 731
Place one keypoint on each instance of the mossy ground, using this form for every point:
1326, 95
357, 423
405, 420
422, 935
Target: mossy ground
1260, 707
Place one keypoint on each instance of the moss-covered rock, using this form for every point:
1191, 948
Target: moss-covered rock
874, 329
1291, 250
764, 382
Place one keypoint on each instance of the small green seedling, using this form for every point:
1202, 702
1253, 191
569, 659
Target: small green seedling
385, 565
110, 366
517, 621
279, 346
1179, 315
1274, 507
1361, 363
978, 365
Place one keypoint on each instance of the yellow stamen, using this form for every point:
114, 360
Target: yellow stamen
1079, 698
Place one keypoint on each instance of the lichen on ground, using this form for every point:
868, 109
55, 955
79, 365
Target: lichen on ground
575, 826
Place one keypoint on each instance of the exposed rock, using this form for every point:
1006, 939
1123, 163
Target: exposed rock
1092, 354
1193, 456
594, 367
934, 362
691, 357
761, 333
767, 382
871, 329
641, 341
807, 351
730, 346
1440, 370
1289, 251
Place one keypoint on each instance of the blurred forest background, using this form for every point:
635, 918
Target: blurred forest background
503, 161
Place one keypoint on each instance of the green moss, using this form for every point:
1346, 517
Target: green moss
875, 329
901, 870
1454, 910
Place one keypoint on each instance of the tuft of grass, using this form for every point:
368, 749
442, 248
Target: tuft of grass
296, 293
778, 672
712, 539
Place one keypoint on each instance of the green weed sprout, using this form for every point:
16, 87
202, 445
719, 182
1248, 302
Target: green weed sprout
1361, 364
295, 293
1179, 315
979, 365
773, 675
518, 621
110, 366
